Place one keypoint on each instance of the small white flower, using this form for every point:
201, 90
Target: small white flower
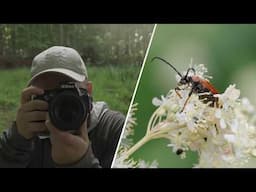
231, 93
230, 138
191, 126
183, 155
234, 125
218, 113
157, 102
223, 124
144, 164
247, 105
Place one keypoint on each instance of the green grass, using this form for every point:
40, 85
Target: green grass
11, 84
114, 85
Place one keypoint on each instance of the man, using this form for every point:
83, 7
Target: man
22, 145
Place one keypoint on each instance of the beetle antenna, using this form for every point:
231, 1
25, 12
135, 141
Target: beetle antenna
167, 64
190, 69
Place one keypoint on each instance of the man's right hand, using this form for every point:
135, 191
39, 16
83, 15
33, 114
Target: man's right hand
30, 113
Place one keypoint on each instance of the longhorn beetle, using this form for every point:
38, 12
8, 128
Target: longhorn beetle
198, 85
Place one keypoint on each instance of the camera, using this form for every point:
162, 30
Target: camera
69, 105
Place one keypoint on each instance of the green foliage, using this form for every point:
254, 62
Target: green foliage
113, 84
99, 44
11, 84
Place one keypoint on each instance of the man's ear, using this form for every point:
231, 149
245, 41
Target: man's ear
89, 87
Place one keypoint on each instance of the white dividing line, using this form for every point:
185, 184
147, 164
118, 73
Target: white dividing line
135, 90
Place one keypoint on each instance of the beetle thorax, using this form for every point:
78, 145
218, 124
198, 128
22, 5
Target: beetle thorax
195, 78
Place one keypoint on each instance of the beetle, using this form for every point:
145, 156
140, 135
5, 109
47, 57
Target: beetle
198, 85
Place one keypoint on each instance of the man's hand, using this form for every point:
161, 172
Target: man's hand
68, 148
30, 112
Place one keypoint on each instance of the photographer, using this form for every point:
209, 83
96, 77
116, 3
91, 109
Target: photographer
57, 124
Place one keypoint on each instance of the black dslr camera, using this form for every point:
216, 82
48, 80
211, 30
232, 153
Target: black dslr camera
69, 105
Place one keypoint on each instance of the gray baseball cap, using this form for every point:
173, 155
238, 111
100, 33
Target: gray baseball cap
59, 59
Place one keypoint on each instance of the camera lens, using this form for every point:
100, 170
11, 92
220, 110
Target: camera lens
67, 111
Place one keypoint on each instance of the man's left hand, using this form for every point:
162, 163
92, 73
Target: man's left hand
66, 147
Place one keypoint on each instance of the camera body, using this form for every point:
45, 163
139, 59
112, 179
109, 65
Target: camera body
69, 105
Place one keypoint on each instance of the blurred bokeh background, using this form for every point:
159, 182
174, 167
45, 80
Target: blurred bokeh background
112, 52
227, 50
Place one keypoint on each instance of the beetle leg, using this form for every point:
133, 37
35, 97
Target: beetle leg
189, 95
177, 88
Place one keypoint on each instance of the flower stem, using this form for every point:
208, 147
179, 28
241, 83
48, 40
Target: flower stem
152, 120
155, 134
134, 148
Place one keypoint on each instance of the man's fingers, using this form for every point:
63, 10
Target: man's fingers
36, 116
53, 130
35, 105
28, 92
60, 136
37, 127
49, 125
83, 132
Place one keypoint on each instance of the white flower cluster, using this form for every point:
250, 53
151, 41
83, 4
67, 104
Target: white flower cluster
223, 136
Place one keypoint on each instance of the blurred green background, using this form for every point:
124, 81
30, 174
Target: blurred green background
227, 50
113, 53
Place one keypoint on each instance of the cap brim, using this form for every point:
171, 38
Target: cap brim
69, 73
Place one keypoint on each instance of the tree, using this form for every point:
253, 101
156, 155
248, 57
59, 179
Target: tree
99, 44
